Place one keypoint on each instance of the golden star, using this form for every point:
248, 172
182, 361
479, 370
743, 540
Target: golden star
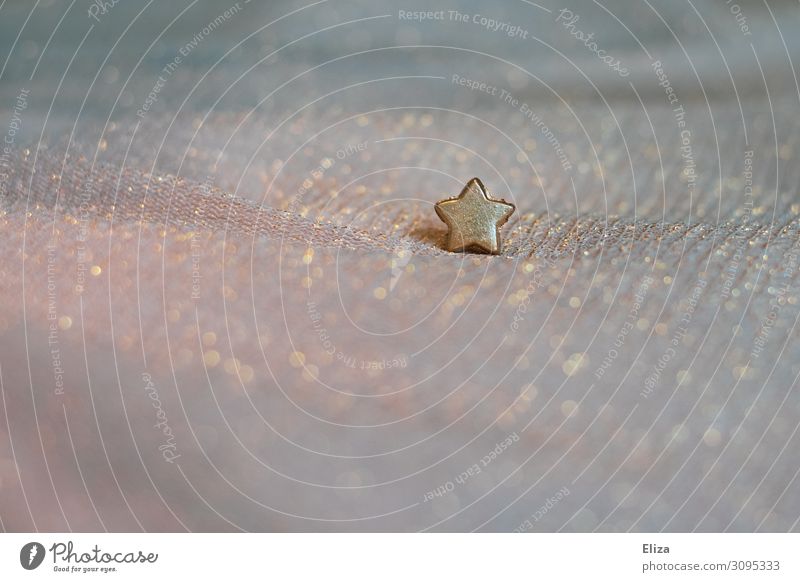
474, 219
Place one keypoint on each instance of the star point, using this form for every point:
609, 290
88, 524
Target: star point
474, 219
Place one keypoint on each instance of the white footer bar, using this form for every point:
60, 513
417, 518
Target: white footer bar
401, 557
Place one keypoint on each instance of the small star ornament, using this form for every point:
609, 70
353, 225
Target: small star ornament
474, 220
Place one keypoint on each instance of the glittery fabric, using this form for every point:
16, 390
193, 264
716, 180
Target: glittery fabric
226, 303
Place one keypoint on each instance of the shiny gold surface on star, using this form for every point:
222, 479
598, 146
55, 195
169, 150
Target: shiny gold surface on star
474, 220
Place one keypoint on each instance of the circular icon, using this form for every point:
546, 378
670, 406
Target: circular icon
31, 555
